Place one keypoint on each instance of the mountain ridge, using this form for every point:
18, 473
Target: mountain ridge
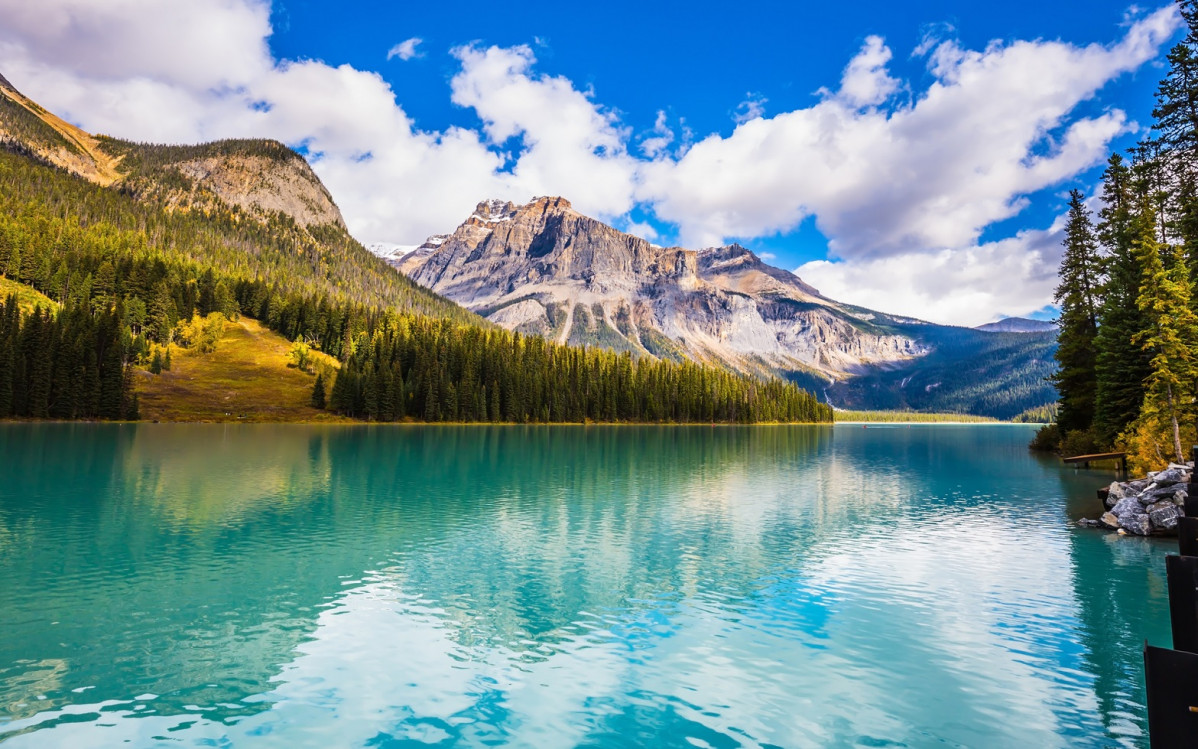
544, 268
257, 177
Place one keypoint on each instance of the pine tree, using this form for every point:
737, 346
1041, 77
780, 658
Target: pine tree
38, 335
8, 342
162, 315
1076, 294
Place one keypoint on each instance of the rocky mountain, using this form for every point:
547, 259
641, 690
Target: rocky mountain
258, 178
546, 269
1019, 325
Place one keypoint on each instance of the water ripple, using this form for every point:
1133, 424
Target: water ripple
315, 586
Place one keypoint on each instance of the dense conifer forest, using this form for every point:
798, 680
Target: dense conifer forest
433, 370
1128, 353
127, 270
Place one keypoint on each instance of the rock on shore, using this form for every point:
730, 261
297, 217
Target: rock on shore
1147, 506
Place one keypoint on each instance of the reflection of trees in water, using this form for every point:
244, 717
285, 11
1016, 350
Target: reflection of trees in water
1111, 576
219, 474
159, 549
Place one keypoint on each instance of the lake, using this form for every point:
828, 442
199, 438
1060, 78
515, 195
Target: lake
388, 586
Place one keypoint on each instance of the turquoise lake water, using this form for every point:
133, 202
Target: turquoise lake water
295, 586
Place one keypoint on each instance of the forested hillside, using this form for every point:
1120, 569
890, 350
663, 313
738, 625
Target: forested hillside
129, 265
47, 212
433, 370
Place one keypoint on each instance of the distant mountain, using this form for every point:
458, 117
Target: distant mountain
1019, 325
396, 254
546, 269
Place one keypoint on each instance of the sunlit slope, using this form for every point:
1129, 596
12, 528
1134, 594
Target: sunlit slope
28, 297
247, 378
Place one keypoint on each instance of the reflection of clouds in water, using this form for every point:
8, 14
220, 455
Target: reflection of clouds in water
975, 594
338, 691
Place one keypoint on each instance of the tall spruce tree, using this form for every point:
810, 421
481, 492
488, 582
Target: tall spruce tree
1077, 297
1176, 129
1121, 366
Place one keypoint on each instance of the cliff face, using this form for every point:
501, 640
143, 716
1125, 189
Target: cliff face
544, 268
261, 178
264, 185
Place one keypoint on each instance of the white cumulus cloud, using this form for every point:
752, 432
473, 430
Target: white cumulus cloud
963, 286
570, 145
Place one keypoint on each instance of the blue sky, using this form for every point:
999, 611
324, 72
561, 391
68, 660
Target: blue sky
699, 62
908, 156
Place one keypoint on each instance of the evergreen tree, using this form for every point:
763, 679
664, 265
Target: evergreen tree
1076, 294
9, 330
318, 397
1176, 128
162, 315
1171, 338
1121, 366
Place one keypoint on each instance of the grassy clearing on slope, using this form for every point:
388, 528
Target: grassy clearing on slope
27, 296
854, 417
247, 378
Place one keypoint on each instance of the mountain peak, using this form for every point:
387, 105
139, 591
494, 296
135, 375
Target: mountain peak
495, 211
490, 211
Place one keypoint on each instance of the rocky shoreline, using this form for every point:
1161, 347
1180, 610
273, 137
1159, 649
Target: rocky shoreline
1150, 506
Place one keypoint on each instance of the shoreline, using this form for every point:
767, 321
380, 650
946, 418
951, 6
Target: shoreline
938, 423
345, 421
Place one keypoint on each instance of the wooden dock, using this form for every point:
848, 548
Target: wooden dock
1084, 461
